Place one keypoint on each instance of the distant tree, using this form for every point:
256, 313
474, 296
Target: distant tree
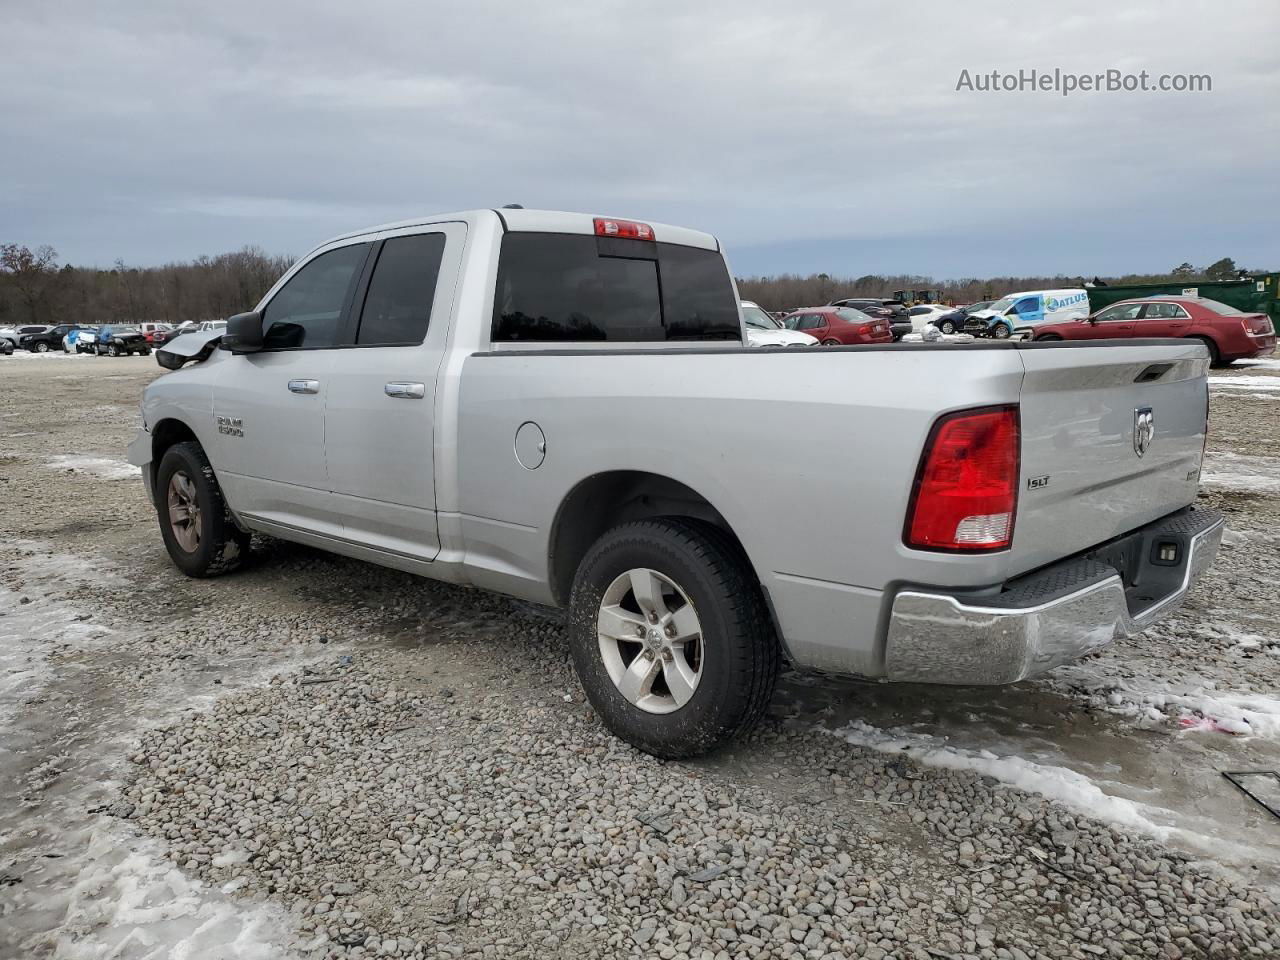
1224, 269
32, 274
1183, 271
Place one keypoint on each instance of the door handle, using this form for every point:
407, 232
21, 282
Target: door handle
406, 391
304, 386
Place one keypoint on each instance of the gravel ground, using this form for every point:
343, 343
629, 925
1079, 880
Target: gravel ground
320, 758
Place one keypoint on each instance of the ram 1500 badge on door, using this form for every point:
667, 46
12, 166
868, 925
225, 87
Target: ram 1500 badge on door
561, 408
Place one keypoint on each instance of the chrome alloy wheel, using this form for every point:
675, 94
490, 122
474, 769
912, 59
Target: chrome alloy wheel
184, 512
650, 640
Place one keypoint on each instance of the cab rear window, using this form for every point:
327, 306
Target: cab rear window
567, 287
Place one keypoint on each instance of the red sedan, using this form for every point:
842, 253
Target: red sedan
1227, 332
839, 326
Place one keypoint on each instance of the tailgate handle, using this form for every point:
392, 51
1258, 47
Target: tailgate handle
1153, 372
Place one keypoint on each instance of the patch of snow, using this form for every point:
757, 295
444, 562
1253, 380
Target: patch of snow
1056, 783
1242, 714
91, 888
1246, 382
103, 467
51, 355
1245, 474
1265, 364
130, 901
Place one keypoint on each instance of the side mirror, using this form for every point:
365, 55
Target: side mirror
244, 333
1092, 320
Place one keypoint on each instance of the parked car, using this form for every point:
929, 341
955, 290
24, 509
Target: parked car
925, 314
969, 517
954, 321
764, 331
50, 338
839, 326
1021, 312
71, 339
1230, 334
157, 334
86, 338
120, 341
895, 311
6, 347
14, 335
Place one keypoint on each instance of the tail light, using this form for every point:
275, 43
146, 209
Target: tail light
1257, 326
864, 330
966, 490
629, 229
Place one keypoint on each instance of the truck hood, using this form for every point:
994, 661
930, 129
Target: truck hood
188, 348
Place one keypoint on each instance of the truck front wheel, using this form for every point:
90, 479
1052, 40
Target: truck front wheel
670, 636
198, 530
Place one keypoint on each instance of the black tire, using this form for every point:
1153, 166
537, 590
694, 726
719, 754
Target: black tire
1001, 332
113, 351
223, 546
1215, 357
145, 351
740, 650
946, 326
831, 343
41, 347
1048, 338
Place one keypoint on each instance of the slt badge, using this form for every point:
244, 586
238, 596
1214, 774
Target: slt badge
1144, 429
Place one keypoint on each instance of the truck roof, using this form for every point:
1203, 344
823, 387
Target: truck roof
543, 221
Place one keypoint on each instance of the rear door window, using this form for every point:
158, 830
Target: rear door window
397, 306
562, 287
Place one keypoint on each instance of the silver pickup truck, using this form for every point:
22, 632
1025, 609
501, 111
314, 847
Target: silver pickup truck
560, 407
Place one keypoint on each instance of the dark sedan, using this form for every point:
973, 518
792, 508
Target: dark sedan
893, 311
121, 342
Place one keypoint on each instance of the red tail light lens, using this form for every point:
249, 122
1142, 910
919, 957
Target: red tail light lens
864, 329
966, 491
629, 229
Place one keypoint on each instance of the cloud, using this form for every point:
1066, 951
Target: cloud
828, 133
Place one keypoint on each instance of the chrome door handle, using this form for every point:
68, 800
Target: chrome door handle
304, 386
406, 391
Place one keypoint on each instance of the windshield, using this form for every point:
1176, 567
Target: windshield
758, 319
118, 331
1003, 304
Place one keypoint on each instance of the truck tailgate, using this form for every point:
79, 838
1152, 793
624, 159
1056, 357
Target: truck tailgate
1087, 474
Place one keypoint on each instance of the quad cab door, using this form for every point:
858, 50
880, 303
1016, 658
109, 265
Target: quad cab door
381, 405
269, 407
1163, 320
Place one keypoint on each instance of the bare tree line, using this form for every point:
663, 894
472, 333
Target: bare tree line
787, 290
34, 289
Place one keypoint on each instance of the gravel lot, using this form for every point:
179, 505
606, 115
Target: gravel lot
319, 758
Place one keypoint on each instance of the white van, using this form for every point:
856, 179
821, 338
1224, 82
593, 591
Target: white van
1019, 312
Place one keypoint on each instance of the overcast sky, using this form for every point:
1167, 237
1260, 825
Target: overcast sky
808, 135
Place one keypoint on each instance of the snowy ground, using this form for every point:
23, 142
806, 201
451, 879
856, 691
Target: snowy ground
317, 757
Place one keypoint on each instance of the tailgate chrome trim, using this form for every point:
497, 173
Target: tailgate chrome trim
944, 638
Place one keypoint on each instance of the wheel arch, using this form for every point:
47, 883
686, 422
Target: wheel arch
165, 434
604, 500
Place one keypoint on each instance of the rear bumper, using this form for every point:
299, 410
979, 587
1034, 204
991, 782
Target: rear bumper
1052, 616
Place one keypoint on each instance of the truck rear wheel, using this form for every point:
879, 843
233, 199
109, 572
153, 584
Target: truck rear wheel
670, 637
198, 530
